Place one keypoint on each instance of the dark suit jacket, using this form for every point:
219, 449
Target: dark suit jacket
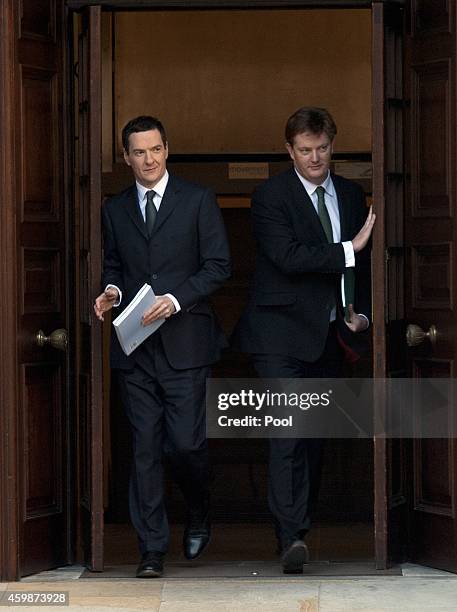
187, 256
298, 273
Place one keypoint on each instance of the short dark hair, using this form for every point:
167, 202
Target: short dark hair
144, 123
310, 119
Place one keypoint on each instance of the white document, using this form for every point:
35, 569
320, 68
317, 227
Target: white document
128, 325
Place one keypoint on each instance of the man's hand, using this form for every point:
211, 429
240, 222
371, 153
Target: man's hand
162, 308
356, 322
363, 236
105, 302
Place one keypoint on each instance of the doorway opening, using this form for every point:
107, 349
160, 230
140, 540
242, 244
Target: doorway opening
228, 81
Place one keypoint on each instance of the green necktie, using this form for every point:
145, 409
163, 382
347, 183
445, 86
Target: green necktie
349, 277
323, 213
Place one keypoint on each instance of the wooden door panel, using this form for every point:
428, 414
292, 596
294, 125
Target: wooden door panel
431, 282
390, 456
431, 15
430, 139
44, 535
43, 486
433, 486
43, 436
38, 19
430, 264
41, 261
88, 273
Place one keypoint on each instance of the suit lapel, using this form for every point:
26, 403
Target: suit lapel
168, 204
133, 210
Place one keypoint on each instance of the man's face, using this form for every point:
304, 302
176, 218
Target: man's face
147, 156
311, 154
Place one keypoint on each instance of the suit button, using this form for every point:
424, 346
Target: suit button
155, 276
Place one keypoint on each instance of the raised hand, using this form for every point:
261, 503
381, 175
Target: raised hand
363, 236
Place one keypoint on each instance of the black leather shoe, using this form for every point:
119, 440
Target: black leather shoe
151, 566
196, 534
294, 557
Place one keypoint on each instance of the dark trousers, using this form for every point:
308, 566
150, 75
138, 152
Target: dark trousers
166, 410
295, 464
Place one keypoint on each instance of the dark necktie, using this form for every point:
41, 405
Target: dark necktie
349, 277
151, 211
323, 213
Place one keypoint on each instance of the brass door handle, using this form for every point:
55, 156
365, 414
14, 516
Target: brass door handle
415, 335
58, 339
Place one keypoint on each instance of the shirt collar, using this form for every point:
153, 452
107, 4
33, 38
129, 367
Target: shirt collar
311, 187
159, 187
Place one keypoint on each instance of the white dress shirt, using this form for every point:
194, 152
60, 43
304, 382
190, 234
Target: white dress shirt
159, 189
331, 202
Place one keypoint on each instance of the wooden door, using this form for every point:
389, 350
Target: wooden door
88, 274
388, 104
414, 185
43, 445
431, 259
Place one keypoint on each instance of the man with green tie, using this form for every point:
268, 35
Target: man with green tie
309, 303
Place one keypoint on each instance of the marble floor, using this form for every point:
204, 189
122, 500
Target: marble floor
416, 590
227, 581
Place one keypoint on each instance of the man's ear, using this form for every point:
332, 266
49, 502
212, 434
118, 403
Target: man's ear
126, 157
290, 150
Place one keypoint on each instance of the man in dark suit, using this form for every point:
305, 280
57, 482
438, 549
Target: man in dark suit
311, 228
169, 233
